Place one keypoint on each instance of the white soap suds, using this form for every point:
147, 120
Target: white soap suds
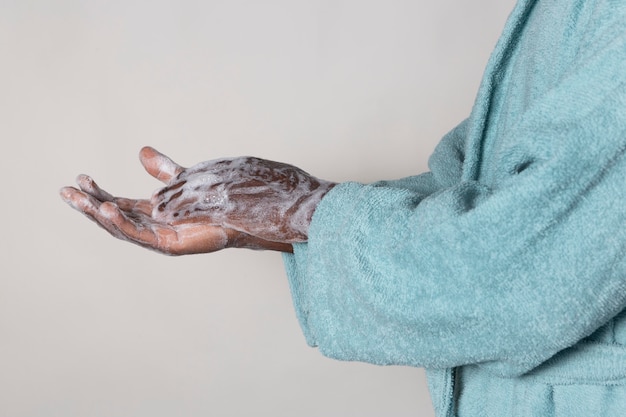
263, 198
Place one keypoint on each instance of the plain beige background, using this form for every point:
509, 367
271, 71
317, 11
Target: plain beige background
346, 89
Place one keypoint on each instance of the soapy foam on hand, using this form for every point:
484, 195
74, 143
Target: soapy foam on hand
267, 199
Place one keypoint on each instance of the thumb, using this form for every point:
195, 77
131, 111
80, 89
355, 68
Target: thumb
158, 165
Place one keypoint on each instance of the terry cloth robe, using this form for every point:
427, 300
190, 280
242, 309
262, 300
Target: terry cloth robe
502, 271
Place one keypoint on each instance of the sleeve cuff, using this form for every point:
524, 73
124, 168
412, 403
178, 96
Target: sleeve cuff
297, 263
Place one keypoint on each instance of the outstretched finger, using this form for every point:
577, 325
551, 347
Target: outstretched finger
89, 186
90, 207
133, 231
158, 165
80, 200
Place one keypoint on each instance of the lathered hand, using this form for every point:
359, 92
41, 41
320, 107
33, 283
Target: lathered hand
267, 199
243, 202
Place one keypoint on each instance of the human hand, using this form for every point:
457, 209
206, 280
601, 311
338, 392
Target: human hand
270, 200
184, 217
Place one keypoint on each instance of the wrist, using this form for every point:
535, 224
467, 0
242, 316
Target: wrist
300, 219
242, 240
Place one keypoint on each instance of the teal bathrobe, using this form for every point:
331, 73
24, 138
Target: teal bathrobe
502, 271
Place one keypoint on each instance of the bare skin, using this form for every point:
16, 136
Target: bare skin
241, 203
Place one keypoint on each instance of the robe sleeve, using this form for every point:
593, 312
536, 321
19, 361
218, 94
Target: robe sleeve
439, 270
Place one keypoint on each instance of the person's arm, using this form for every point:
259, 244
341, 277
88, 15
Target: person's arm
504, 275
